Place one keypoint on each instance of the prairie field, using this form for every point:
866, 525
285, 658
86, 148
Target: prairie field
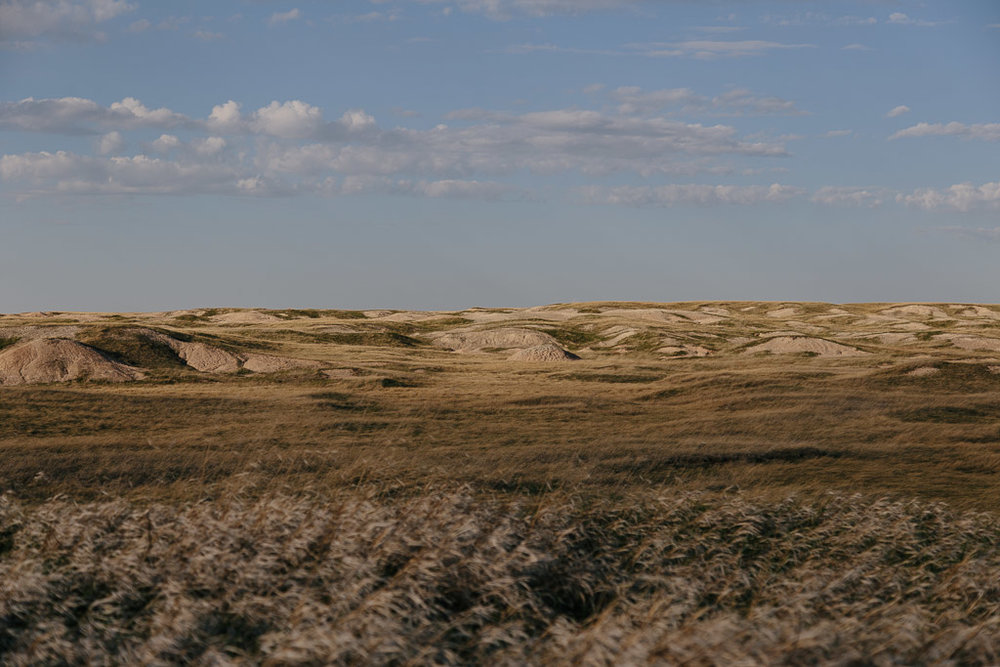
609, 483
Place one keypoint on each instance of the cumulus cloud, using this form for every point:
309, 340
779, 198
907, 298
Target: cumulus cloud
112, 142
963, 197
64, 172
133, 113
896, 112
226, 117
543, 141
67, 114
297, 149
57, 19
688, 194
293, 119
75, 115
209, 145
166, 143
979, 131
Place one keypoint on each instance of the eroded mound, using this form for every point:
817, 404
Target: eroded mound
504, 338
807, 345
59, 360
268, 363
547, 352
150, 348
245, 317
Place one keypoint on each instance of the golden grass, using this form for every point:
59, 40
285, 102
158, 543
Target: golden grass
801, 425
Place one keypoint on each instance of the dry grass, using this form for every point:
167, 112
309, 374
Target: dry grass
452, 578
630, 507
801, 425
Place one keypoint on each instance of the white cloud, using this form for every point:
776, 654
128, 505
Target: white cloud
701, 49
112, 142
856, 47
357, 120
818, 18
292, 119
68, 173
57, 19
896, 112
442, 189
736, 102
869, 197
66, 114
166, 143
208, 36
705, 49
899, 18
502, 10
76, 115
226, 117
132, 113
838, 133
964, 197
687, 195
209, 145
977, 233
141, 25
521, 49
979, 131
278, 18
298, 150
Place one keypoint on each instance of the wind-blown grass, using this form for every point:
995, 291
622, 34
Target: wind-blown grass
458, 578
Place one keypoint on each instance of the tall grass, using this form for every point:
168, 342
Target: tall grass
450, 578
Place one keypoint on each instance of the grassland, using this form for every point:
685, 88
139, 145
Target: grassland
406, 499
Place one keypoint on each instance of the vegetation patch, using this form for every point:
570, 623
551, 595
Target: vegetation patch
374, 339
444, 323
337, 400
951, 414
659, 464
573, 338
952, 377
199, 318
535, 401
388, 383
612, 378
314, 313
132, 346
7, 342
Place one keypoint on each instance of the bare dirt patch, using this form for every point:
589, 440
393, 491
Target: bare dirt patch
805, 345
58, 360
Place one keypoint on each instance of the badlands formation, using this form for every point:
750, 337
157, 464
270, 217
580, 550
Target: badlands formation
46, 347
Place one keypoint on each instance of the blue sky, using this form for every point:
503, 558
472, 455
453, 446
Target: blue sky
451, 153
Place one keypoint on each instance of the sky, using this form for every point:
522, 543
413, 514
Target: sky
443, 154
